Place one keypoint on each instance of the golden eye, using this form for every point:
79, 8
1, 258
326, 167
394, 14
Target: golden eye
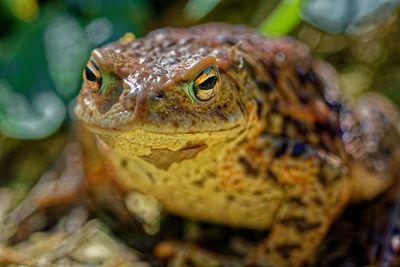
92, 76
205, 86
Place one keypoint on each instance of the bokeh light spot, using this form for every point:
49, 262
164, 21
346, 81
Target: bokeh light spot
33, 118
99, 30
66, 49
25, 10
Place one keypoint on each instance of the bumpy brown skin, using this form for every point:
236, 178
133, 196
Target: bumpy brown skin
273, 148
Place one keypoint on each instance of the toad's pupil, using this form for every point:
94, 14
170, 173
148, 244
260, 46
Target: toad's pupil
90, 75
209, 83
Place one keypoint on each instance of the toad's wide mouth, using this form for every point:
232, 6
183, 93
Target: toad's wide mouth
96, 129
125, 123
119, 120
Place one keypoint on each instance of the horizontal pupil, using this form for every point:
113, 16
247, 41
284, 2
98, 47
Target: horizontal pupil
208, 84
90, 75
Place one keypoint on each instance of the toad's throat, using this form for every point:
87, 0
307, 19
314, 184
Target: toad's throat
164, 158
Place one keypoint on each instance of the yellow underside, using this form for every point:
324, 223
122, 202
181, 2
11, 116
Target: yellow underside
186, 188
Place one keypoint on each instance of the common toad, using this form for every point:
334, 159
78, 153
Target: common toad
222, 125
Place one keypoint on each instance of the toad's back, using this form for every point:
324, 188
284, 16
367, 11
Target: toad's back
222, 125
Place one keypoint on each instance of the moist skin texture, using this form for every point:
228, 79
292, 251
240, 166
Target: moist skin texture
220, 124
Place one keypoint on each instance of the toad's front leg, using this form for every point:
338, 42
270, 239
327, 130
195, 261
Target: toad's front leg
315, 195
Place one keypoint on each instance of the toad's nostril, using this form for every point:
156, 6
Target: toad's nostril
158, 96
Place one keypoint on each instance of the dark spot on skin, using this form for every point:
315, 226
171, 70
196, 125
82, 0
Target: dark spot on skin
333, 105
230, 197
211, 174
301, 127
274, 71
312, 77
199, 183
249, 68
241, 106
235, 181
322, 179
259, 107
248, 167
285, 250
317, 201
275, 106
298, 201
272, 176
150, 176
290, 83
228, 39
281, 149
124, 163
327, 127
305, 96
258, 193
220, 114
300, 223
167, 43
266, 85
298, 150
302, 74
386, 151
217, 189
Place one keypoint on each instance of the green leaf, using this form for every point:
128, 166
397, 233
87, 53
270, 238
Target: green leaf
283, 19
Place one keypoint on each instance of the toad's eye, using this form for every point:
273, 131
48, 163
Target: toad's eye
92, 76
205, 86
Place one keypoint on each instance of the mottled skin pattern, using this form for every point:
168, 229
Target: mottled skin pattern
272, 149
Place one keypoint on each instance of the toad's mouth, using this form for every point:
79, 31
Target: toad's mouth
120, 121
126, 122
97, 129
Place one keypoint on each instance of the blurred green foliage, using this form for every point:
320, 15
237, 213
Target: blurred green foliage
42, 50
284, 18
44, 44
356, 16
